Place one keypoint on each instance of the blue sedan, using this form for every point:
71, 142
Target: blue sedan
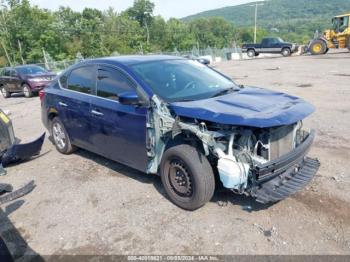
186, 122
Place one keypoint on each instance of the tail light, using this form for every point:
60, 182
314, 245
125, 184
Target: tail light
42, 95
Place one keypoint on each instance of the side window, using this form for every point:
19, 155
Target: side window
63, 80
6, 72
13, 72
266, 42
82, 79
111, 83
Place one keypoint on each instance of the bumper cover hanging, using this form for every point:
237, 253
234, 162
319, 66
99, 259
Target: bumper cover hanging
285, 176
21, 152
288, 183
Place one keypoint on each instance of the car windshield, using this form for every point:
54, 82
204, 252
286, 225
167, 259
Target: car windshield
31, 70
183, 80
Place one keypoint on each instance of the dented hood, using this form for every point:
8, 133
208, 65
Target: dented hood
250, 106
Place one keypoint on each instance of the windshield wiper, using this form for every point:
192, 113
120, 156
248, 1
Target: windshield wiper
225, 91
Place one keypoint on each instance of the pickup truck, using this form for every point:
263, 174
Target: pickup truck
29, 79
270, 46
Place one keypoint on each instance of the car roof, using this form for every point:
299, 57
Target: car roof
133, 59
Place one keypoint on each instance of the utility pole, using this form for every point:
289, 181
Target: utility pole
20, 52
256, 19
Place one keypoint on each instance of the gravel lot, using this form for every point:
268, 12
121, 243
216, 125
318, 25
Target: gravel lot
85, 204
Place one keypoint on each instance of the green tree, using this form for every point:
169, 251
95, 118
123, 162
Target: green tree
142, 11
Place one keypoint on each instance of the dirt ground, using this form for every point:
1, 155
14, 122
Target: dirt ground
85, 204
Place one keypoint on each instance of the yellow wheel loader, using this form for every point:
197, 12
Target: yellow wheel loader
337, 37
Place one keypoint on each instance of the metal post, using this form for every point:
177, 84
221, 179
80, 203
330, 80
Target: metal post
256, 18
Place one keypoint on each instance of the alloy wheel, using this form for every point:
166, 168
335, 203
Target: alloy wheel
59, 136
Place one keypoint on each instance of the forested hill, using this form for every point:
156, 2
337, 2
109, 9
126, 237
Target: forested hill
287, 16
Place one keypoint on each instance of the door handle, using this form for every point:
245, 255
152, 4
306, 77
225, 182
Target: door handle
96, 113
62, 104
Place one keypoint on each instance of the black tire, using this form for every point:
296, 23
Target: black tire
251, 53
187, 177
348, 44
286, 52
27, 91
58, 132
5, 93
318, 47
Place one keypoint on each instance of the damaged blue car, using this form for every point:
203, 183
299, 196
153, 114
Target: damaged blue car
186, 122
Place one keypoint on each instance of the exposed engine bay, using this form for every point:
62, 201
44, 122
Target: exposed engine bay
239, 154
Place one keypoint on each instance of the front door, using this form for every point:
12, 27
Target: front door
118, 131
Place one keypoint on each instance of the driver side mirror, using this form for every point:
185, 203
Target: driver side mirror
203, 61
129, 98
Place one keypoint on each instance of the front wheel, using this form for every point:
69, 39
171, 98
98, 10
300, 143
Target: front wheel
187, 177
61, 137
286, 52
318, 47
348, 44
5, 93
27, 91
251, 53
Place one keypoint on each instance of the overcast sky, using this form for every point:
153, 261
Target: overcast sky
165, 8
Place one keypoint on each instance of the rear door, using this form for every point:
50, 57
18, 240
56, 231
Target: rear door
118, 131
73, 103
15, 81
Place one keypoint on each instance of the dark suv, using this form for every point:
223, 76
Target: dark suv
29, 79
186, 122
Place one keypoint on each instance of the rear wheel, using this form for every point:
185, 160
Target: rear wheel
318, 47
27, 91
348, 44
5, 93
61, 138
187, 177
251, 53
286, 52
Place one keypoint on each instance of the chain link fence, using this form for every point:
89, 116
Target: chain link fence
213, 54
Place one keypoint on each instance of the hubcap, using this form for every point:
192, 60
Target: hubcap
317, 48
26, 91
59, 135
180, 178
3, 91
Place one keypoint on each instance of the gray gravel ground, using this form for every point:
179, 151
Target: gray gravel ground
85, 204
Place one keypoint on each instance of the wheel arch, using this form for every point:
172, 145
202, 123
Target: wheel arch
319, 39
52, 113
25, 83
251, 49
185, 137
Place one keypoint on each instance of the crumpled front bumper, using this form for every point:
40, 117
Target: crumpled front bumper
285, 176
